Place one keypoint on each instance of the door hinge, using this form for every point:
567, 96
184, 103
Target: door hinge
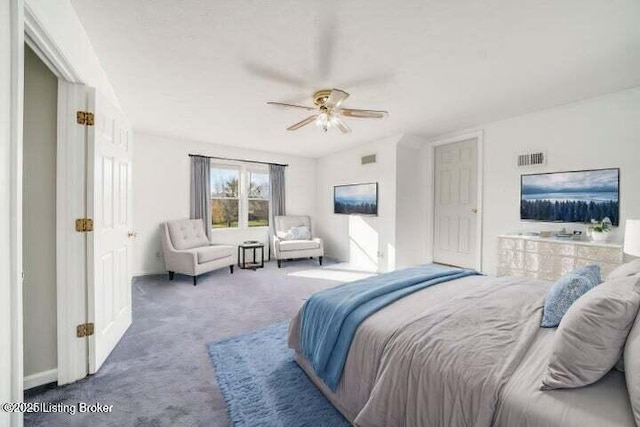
84, 224
84, 118
84, 330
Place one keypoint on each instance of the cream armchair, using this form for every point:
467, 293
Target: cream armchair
286, 248
187, 249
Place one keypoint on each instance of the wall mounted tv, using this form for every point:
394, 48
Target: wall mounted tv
356, 199
578, 196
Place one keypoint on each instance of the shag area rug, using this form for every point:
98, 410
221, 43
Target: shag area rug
263, 386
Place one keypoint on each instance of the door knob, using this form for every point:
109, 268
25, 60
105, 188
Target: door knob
474, 210
132, 234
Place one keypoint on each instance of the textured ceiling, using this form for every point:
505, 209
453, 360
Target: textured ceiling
203, 69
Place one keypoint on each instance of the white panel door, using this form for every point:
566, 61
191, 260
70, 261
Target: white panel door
110, 205
456, 210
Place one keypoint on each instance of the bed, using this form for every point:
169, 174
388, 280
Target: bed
469, 351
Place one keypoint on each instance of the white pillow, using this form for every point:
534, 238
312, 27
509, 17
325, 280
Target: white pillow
591, 336
632, 368
297, 233
629, 269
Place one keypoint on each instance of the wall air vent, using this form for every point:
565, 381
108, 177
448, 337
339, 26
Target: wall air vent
536, 158
365, 160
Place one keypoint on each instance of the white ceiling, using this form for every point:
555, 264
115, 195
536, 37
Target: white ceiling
203, 69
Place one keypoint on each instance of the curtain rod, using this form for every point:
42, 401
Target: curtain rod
239, 160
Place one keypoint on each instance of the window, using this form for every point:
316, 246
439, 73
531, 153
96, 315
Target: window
258, 212
239, 196
225, 201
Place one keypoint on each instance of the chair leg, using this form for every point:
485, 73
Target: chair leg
320, 259
279, 263
231, 268
195, 280
171, 273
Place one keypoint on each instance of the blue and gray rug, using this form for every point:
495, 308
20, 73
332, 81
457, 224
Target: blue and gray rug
263, 386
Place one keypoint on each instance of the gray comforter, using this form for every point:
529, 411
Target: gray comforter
444, 356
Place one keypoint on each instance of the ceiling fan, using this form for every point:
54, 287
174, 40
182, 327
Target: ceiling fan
328, 111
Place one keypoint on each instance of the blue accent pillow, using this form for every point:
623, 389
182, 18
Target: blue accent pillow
566, 291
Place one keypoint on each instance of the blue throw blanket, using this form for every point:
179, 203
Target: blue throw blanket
330, 318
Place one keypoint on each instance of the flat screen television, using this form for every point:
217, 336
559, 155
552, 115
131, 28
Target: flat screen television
356, 199
577, 196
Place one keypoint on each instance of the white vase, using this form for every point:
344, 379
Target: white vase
599, 236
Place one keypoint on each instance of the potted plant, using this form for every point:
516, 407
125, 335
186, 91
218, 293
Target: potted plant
599, 230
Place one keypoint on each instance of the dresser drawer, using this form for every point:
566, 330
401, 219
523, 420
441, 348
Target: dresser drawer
510, 244
511, 259
601, 254
564, 249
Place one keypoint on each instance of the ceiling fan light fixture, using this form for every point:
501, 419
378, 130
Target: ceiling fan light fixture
330, 112
323, 121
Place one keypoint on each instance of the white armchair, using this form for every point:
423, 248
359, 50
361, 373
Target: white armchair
287, 248
187, 249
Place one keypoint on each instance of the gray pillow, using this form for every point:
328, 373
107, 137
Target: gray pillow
632, 368
625, 270
592, 335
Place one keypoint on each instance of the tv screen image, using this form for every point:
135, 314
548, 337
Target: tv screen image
356, 199
571, 196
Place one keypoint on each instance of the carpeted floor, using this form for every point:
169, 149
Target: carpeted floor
160, 374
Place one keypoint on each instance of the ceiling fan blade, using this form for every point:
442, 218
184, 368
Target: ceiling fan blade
275, 75
303, 122
340, 124
336, 98
284, 104
364, 114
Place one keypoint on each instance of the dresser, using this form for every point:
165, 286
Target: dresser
550, 258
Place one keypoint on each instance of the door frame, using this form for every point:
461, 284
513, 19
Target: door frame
478, 135
71, 303
11, 126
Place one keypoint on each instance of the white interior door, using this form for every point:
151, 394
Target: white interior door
456, 209
110, 205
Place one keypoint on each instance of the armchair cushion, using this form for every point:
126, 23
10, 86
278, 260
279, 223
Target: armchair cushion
296, 233
285, 223
187, 234
213, 252
297, 245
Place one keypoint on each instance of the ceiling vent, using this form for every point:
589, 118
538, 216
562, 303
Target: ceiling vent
366, 160
536, 158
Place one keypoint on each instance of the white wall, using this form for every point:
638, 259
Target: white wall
411, 203
161, 173
60, 22
39, 216
366, 242
597, 133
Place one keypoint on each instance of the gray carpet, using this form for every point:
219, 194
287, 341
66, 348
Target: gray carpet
160, 374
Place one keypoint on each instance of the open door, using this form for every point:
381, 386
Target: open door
109, 204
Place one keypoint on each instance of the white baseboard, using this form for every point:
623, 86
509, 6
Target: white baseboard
40, 378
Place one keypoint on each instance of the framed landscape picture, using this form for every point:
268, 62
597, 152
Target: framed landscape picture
578, 196
356, 199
